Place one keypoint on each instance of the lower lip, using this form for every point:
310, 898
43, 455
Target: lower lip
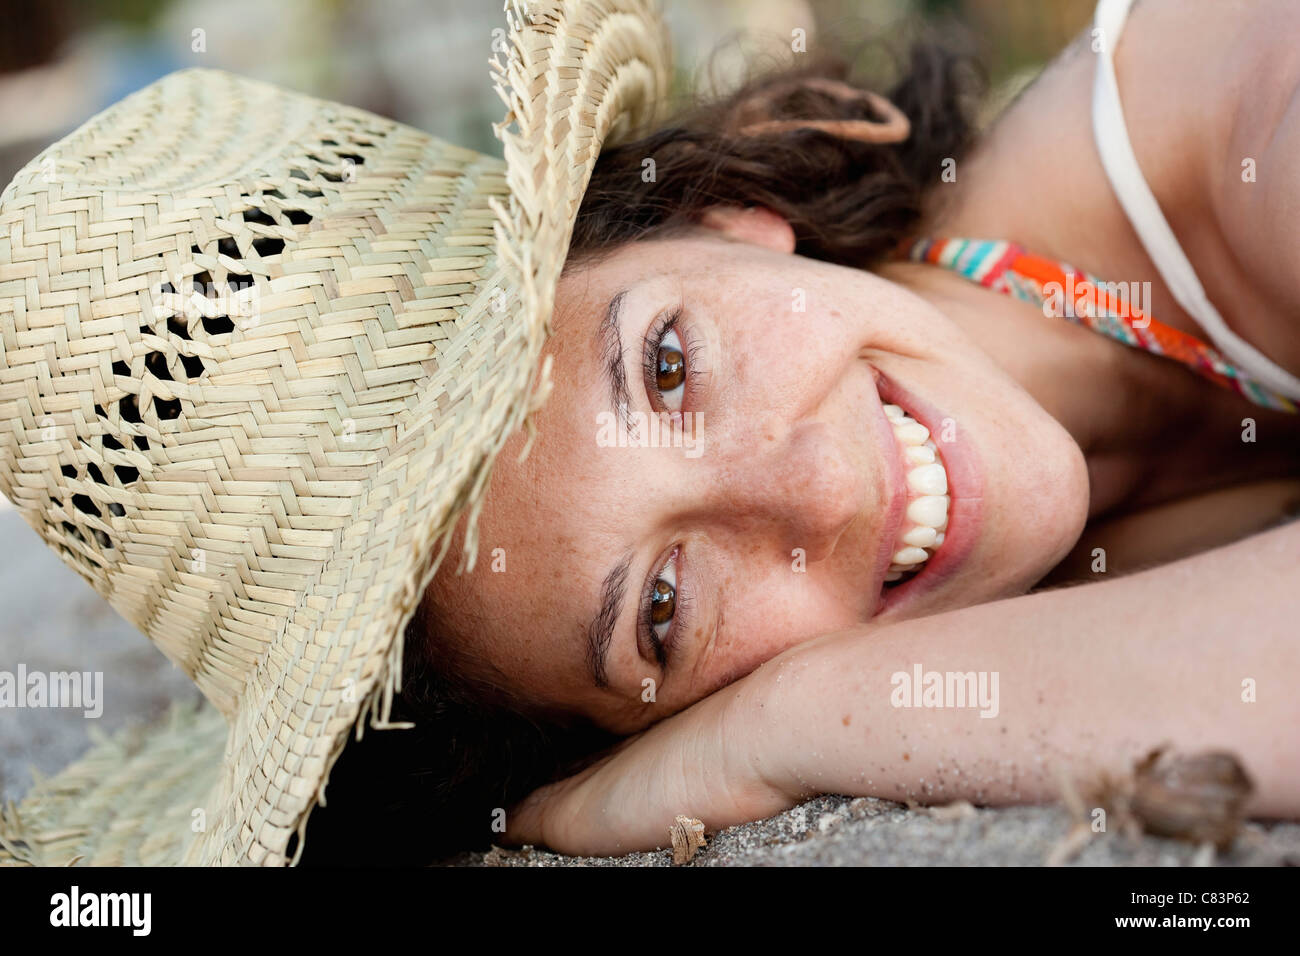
965, 512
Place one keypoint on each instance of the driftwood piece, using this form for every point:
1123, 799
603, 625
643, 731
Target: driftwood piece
688, 837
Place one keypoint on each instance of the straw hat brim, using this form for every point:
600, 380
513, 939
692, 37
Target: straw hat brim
235, 781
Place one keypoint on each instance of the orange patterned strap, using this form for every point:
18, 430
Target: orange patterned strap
1114, 309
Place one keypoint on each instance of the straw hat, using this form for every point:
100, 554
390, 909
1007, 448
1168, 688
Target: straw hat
259, 352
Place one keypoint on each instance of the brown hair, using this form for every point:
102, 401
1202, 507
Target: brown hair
410, 796
849, 201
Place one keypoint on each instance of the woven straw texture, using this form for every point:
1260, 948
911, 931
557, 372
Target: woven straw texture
259, 352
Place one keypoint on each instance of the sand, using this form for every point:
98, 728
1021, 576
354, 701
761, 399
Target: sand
862, 831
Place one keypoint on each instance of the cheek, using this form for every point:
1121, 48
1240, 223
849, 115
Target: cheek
776, 360
768, 614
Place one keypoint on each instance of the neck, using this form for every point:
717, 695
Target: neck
1149, 430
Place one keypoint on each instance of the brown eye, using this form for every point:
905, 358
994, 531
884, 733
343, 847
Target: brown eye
671, 372
663, 602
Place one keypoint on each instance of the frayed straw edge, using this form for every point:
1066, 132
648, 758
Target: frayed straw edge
16, 839
515, 259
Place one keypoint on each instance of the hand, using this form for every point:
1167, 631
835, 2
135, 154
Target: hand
706, 762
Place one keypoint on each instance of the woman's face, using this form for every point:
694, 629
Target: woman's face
717, 476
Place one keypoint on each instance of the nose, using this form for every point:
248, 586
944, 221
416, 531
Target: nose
804, 488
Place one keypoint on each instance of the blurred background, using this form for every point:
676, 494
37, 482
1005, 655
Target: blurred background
423, 62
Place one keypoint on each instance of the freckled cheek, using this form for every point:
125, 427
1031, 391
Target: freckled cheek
780, 363
758, 627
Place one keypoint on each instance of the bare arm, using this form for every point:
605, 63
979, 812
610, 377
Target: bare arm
1089, 678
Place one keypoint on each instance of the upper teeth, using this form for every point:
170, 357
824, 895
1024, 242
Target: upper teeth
927, 482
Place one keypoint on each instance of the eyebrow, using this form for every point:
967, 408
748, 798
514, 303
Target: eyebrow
600, 632
611, 341
601, 629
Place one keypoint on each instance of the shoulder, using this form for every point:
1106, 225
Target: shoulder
1228, 69
1197, 77
1251, 175
1211, 97
1203, 86
1205, 44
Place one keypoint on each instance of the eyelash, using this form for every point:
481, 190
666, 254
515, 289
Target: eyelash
680, 609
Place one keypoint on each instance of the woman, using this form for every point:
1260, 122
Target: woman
790, 460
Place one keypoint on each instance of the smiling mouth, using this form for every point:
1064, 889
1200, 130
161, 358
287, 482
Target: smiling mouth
922, 531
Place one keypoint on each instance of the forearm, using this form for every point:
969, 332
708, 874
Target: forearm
1088, 679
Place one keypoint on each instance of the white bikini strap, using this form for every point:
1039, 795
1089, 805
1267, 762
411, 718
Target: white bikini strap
1121, 165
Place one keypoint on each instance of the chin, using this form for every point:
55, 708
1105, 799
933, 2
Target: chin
1040, 515
1058, 517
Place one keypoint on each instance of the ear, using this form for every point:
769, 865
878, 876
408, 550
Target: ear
754, 224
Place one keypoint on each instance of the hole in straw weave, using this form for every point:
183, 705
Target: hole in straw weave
68, 471
113, 443
297, 216
193, 365
311, 193
218, 325
96, 475
121, 368
83, 503
259, 217
156, 363
353, 157
140, 442
115, 509
166, 289
73, 530
126, 473
168, 408
204, 285
130, 411
298, 174
227, 246
177, 326
268, 247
